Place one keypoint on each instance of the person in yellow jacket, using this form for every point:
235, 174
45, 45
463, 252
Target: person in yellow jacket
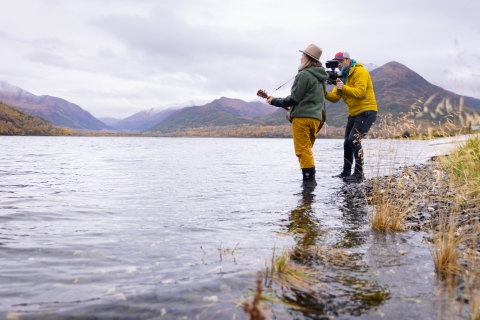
355, 87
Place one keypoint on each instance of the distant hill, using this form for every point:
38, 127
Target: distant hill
146, 119
56, 110
277, 118
16, 122
196, 117
243, 109
220, 112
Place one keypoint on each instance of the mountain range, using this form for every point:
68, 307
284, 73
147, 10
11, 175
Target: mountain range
146, 119
58, 111
398, 90
220, 112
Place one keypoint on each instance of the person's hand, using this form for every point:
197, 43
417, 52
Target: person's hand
269, 99
339, 84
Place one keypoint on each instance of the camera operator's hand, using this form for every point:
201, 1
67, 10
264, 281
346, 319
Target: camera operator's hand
339, 84
269, 99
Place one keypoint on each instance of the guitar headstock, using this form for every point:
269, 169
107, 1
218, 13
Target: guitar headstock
262, 94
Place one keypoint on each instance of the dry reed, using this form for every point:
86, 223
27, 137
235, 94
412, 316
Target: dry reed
253, 309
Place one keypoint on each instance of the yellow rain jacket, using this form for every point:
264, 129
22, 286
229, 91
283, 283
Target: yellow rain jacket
357, 92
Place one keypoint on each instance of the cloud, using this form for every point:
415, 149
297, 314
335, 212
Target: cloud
127, 54
48, 59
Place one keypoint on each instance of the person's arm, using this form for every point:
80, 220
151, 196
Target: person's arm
298, 91
361, 79
333, 96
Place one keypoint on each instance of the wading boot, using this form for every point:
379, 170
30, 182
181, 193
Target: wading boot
342, 175
357, 176
309, 178
354, 178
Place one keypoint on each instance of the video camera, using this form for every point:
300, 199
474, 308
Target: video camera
332, 74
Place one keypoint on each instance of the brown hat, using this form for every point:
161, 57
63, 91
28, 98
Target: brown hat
313, 52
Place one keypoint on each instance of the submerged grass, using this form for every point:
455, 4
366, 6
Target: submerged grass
319, 280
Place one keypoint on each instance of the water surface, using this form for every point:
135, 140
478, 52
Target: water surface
142, 228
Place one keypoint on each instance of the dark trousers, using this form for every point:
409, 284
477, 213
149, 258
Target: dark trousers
356, 129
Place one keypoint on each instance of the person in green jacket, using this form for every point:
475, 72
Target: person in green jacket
306, 103
355, 87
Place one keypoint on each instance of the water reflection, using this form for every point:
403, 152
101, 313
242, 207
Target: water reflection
338, 281
353, 233
304, 226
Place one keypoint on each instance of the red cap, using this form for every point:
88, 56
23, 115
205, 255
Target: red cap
341, 55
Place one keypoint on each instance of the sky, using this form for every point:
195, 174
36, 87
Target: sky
117, 57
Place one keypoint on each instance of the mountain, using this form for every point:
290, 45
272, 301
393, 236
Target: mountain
16, 122
397, 89
370, 66
243, 109
109, 121
220, 112
146, 119
56, 110
196, 117
277, 118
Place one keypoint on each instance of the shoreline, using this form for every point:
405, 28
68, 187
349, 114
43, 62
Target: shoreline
423, 193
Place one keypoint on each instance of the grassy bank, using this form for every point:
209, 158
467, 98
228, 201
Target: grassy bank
441, 199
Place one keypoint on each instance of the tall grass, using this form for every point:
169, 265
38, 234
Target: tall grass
456, 238
464, 167
389, 204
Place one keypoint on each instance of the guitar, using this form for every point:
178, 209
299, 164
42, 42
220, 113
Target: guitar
262, 94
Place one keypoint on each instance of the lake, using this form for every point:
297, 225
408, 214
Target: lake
178, 228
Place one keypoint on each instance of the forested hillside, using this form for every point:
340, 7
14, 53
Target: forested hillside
16, 122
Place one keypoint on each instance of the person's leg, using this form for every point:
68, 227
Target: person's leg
302, 129
303, 141
347, 151
314, 123
362, 124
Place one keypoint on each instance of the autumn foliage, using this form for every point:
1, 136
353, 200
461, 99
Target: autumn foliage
18, 123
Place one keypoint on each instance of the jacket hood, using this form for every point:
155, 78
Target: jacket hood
318, 72
355, 65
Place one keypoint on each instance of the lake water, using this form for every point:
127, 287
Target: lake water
178, 228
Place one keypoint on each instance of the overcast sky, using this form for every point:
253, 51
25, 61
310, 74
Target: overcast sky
117, 57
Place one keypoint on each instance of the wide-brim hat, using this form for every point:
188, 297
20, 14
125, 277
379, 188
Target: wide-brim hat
313, 51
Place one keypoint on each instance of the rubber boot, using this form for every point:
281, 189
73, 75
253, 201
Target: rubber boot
342, 174
309, 178
357, 176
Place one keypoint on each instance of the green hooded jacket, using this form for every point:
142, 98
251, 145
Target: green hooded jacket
307, 95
